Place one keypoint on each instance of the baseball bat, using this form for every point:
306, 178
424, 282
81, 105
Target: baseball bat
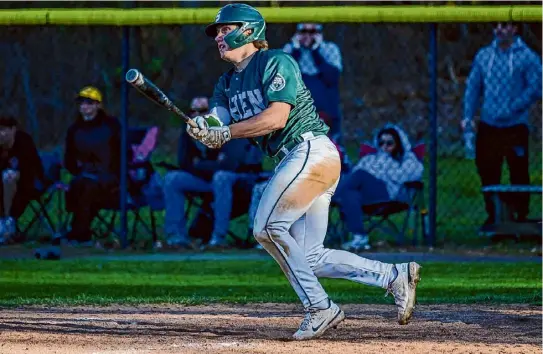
152, 92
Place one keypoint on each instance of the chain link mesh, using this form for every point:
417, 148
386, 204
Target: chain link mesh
385, 79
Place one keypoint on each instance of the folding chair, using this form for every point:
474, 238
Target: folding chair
39, 212
140, 174
378, 216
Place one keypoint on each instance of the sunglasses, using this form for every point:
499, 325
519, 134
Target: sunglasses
199, 110
308, 31
386, 143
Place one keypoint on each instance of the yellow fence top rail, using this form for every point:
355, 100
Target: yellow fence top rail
325, 14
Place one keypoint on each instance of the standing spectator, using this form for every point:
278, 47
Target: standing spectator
320, 62
22, 171
204, 170
506, 75
92, 156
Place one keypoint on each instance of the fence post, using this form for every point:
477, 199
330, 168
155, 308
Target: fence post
432, 66
124, 133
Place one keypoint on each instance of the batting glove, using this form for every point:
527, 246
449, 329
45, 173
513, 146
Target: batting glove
201, 131
216, 137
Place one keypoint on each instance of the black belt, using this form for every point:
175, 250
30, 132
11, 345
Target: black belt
291, 144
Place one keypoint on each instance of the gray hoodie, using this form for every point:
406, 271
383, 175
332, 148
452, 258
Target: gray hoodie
390, 170
509, 82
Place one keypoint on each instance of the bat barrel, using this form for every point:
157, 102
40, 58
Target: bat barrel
132, 75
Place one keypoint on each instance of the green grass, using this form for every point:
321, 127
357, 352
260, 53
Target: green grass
197, 282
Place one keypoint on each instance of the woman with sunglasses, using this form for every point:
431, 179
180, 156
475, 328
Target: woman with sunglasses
92, 156
378, 177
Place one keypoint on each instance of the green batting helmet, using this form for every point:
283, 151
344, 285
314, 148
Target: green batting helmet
247, 17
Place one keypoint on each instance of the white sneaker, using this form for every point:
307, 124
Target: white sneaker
316, 322
404, 289
358, 243
217, 242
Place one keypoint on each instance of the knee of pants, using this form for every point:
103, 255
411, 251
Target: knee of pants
268, 231
313, 257
222, 179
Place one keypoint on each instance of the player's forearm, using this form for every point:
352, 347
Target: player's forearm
272, 119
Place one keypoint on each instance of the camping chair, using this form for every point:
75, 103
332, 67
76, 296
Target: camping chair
378, 216
142, 189
39, 211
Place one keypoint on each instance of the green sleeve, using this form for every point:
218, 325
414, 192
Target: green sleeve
280, 79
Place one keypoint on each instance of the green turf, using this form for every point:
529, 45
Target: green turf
197, 282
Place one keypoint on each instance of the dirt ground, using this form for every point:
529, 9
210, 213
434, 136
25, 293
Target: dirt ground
266, 328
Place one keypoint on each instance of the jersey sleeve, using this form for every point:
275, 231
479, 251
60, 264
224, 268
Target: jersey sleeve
281, 78
219, 102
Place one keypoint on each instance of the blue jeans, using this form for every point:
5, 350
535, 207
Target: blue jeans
176, 184
355, 190
223, 197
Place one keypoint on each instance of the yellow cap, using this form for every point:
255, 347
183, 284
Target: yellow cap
90, 92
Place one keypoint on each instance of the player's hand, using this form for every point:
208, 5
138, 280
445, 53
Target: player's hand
216, 137
201, 131
317, 40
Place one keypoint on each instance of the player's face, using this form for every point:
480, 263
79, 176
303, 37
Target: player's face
88, 108
224, 49
387, 143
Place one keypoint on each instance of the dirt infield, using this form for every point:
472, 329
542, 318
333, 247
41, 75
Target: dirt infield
266, 328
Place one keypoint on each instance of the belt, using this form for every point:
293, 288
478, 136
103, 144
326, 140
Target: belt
285, 149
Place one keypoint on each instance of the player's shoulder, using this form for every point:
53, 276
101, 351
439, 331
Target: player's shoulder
273, 57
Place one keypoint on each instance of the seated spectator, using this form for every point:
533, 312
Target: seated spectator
377, 178
204, 170
22, 172
321, 65
92, 156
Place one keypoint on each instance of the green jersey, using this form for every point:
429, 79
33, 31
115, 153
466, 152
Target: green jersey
270, 76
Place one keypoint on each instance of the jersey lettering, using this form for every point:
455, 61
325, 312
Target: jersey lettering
246, 104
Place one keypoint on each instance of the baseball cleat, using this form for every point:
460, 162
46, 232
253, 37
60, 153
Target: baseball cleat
316, 322
404, 289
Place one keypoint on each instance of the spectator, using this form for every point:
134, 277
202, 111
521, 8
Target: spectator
204, 170
22, 171
507, 76
377, 178
321, 65
92, 156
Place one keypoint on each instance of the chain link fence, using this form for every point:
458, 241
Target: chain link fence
385, 79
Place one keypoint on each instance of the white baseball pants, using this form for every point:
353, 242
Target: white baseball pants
292, 219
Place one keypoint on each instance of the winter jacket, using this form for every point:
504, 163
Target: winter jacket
94, 147
321, 69
508, 81
394, 172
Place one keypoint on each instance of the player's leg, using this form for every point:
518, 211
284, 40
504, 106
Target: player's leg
400, 279
307, 172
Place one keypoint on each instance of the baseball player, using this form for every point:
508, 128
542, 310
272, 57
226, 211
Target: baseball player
263, 98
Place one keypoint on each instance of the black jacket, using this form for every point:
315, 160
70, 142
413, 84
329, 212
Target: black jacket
94, 146
23, 157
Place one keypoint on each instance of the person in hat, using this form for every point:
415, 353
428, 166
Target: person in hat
21, 169
92, 156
